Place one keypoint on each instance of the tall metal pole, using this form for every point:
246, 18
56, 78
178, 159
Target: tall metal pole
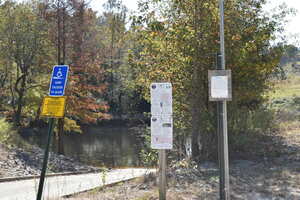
222, 120
222, 37
44, 169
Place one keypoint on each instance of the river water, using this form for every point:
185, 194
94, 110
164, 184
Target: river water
98, 146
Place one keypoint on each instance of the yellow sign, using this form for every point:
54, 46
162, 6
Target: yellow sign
53, 107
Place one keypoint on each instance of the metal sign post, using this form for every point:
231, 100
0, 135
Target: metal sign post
222, 133
161, 128
45, 162
53, 107
220, 91
222, 120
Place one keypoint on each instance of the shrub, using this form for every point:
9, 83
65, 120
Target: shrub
6, 130
249, 131
147, 155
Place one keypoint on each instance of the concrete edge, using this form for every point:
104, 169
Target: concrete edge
10, 179
108, 185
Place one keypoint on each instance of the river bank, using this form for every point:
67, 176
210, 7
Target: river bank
16, 162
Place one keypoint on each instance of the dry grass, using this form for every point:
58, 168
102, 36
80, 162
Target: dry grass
286, 88
289, 127
138, 190
256, 182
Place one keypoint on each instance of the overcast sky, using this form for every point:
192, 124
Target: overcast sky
292, 28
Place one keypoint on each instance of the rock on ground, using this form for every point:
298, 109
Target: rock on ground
16, 162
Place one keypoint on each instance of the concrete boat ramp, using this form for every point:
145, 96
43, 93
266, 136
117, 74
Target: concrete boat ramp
59, 186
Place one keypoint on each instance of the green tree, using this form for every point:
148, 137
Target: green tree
112, 26
290, 54
178, 43
24, 32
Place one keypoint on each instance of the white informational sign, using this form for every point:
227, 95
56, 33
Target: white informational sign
161, 132
219, 87
161, 120
161, 99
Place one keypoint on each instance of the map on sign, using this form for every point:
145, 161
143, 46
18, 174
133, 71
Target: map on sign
161, 99
53, 107
161, 132
58, 80
161, 120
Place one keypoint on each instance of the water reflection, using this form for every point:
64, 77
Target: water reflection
100, 146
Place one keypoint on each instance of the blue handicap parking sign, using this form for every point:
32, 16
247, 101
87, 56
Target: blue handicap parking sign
58, 80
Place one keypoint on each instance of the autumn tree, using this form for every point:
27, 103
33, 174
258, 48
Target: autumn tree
58, 13
75, 34
83, 53
86, 85
40, 35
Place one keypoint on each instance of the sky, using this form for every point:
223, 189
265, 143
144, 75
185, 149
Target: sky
97, 4
292, 28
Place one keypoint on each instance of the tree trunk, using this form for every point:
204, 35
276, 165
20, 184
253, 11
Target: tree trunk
38, 114
195, 131
199, 92
60, 49
20, 92
19, 110
60, 136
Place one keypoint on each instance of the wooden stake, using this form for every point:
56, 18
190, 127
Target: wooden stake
162, 174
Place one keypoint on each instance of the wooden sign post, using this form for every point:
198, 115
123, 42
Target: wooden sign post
161, 128
162, 174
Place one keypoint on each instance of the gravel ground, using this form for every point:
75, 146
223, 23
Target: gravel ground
265, 179
248, 181
16, 162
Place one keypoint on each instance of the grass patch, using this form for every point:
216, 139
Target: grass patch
286, 88
285, 100
290, 127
